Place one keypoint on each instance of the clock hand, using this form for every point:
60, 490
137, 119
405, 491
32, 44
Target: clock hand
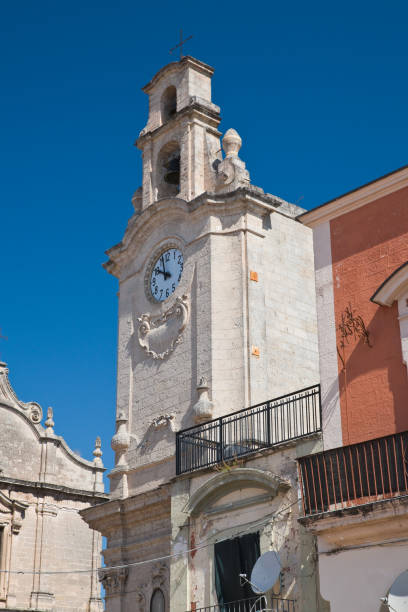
165, 274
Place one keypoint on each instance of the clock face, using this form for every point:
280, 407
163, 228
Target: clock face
166, 274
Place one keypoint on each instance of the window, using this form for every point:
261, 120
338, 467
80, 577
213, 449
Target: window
232, 558
157, 601
168, 103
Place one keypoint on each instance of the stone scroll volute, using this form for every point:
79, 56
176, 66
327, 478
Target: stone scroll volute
159, 336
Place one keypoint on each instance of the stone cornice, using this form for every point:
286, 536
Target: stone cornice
26, 485
352, 200
12, 503
109, 515
244, 199
195, 110
375, 521
59, 441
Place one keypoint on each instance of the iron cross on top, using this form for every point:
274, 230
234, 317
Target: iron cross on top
181, 43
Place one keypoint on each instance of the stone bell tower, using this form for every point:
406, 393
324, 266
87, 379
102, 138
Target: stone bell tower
180, 142
211, 270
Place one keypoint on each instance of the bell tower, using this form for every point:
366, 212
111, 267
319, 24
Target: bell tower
216, 314
180, 142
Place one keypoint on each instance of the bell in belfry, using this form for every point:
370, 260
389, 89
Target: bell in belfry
172, 174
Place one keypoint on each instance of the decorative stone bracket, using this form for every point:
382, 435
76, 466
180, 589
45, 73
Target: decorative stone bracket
15, 509
113, 580
162, 421
159, 574
159, 336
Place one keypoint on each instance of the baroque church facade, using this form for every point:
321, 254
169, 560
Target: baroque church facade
49, 558
218, 371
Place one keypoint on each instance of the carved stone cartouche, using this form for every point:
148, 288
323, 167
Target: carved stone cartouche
159, 336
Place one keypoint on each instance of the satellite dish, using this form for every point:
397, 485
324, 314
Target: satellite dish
265, 572
398, 596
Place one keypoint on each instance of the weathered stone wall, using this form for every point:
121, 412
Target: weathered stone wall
228, 315
53, 538
18, 441
244, 508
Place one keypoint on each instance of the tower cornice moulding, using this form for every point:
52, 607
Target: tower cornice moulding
243, 199
205, 113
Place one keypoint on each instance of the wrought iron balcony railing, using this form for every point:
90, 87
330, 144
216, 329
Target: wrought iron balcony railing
354, 475
249, 430
255, 604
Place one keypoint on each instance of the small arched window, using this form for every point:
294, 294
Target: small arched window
157, 601
168, 103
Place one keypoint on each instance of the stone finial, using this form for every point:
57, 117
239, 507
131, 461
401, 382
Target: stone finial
97, 453
231, 143
120, 441
231, 172
203, 408
49, 423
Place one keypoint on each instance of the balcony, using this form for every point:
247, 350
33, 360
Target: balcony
255, 604
250, 430
354, 475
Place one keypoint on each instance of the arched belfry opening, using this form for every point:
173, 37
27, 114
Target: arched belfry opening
168, 103
168, 171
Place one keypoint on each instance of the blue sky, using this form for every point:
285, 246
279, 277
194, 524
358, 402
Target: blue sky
318, 92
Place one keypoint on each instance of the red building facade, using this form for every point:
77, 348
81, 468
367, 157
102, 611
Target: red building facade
355, 492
